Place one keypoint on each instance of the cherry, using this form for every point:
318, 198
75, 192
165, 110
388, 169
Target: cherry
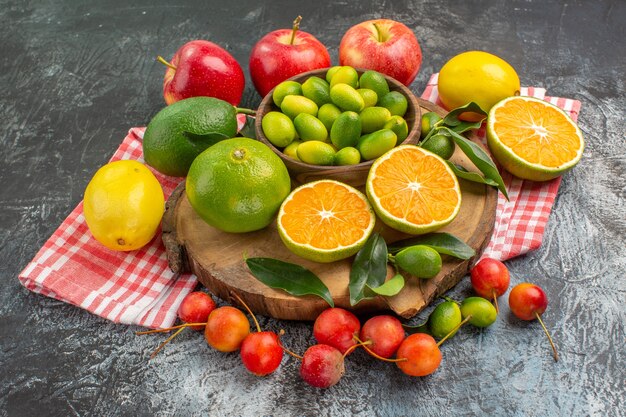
322, 366
528, 302
195, 308
418, 355
336, 327
385, 334
226, 328
261, 353
490, 279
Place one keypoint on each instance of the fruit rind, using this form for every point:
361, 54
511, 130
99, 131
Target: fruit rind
515, 164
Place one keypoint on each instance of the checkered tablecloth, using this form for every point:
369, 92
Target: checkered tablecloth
139, 288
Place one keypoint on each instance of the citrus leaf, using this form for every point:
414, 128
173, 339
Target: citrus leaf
295, 279
452, 118
205, 139
420, 328
391, 287
369, 269
441, 242
248, 130
479, 157
471, 176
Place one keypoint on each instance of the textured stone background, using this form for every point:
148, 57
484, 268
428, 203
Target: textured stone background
74, 77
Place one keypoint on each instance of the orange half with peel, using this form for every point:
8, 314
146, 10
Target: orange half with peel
325, 221
533, 139
413, 190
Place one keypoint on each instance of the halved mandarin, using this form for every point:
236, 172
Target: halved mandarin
413, 190
325, 221
533, 139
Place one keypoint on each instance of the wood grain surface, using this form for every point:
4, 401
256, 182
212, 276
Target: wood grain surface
216, 257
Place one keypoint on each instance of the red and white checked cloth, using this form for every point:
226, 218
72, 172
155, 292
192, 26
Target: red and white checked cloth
139, 288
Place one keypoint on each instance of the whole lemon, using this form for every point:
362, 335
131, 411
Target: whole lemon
123, 205
237, 185
479, 77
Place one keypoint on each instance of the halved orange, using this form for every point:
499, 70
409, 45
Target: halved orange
533, 139
413, 190
325, 221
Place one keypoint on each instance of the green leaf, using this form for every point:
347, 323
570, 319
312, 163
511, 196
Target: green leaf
391, 287
452, 118
420, 328
479, 157
471, 176
369, 269
248, 130
441, 242
295, 279
205, 139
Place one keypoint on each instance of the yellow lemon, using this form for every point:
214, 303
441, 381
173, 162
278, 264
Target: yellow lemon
479, 77
123, 205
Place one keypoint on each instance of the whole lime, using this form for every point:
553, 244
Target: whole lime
440, 144
237, 185
182, 130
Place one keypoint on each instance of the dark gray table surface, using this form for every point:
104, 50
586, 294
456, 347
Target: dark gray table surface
74, 77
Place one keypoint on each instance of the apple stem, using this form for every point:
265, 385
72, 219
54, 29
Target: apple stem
465, 320
164, 62
242, 110
378, 38
162, 345
258, 328
545, 329
371, 352
287, 351
169, 329
495, 301
294, 29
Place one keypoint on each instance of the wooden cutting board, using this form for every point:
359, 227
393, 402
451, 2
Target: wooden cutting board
217, 258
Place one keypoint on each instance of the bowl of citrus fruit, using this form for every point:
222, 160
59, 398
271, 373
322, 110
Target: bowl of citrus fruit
332, 123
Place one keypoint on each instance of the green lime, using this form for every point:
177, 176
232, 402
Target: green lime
346, 98
346, 130
347, 156
237, 185
316, 153
291, 149
440, 144
420, 261
294, 105
178, 133
428, 122
284, 89
278, 129
345, 75
374, 118
316, 89
399, 127
310, 127
369, 96
444, 318
395, 102
483, 313
376, 81
377, 143
331, 71
328, 113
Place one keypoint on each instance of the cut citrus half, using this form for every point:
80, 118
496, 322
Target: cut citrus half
325, 221
533, 139
413, 190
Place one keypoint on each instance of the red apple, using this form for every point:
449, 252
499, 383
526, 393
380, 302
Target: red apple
382, 45
283, 53
202, 68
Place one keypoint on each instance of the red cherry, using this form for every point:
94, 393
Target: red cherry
336, 327
322, 366
261, 353
195, 308
490, 279
421, 353
385, 334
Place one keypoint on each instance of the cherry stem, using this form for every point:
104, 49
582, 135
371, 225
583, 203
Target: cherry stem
465, 320
162, 345
243, 110
258, 328
164, 62
287, 351
495, 301
169, 329
545, 329
294, 29
374, 354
